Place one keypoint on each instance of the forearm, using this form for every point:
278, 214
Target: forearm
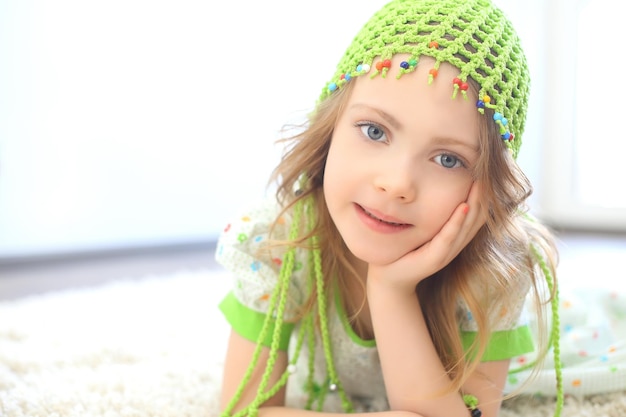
292, 412
414, 376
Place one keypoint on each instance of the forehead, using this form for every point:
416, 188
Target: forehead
417, 103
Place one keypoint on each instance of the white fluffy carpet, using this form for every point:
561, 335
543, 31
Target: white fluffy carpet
146, 347
149, 347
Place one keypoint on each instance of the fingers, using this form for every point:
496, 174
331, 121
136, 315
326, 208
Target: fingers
462, 226
475, 215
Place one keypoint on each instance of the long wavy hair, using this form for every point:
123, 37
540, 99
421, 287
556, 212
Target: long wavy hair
490, 271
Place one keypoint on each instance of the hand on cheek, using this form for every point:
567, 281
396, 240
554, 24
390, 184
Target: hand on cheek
462, 226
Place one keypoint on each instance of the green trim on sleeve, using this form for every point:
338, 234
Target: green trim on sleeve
248, 323
503, 344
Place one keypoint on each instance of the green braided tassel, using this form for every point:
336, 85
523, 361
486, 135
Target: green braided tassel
555, 333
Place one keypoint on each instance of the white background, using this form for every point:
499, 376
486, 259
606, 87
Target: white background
129, 123
148, 122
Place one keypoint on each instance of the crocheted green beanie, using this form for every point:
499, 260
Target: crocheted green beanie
472, 35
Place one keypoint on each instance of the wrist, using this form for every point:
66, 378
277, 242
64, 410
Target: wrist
382, 286
399, 276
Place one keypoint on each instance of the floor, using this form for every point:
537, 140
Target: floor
21, 279
592, 256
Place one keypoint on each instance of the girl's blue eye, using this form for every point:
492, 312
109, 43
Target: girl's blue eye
373, 132
448, 161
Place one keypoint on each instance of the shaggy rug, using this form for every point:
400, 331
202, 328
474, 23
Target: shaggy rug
149, 346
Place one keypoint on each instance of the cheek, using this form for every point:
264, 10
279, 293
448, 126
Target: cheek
329, 167
445, 198
338, 163
332, 172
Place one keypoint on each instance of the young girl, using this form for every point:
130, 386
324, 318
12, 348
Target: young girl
391, 270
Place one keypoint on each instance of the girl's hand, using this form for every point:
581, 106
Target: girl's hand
464, 223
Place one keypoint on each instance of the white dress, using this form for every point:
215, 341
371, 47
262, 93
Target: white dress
255, 274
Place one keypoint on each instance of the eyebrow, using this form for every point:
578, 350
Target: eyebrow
453, 141
397, 125
389, 118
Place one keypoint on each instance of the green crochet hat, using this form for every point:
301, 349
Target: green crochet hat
472, 35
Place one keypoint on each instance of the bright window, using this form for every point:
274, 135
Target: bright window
582, 170
600, 139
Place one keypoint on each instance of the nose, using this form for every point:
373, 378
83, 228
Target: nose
398, 182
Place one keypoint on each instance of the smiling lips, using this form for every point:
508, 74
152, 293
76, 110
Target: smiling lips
379, 222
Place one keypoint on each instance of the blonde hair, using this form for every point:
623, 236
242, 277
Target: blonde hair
496, 259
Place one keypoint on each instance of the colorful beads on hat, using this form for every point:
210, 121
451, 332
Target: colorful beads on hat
484, 103
382, 67
498, 117
460, 85
362, 69
503, 123
407, 66
344, 78
432, 74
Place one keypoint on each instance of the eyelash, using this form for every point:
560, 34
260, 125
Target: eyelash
459, 160
368, 124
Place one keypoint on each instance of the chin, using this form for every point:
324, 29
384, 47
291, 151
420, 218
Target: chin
374, 255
